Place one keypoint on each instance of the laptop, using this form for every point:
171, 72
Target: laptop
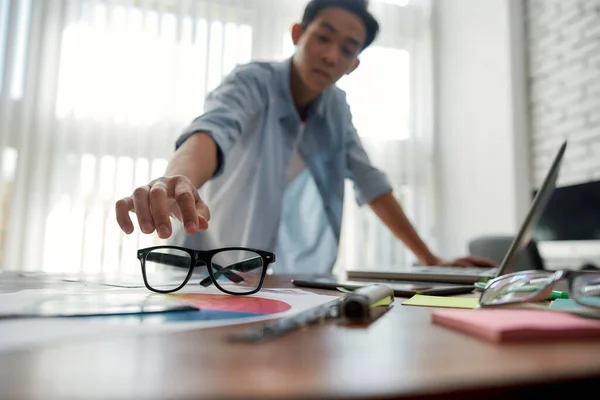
470, 275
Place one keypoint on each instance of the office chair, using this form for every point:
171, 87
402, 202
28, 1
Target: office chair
496, 247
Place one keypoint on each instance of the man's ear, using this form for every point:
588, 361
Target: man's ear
354, 65
297, 31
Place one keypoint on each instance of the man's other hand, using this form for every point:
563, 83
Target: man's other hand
173, 196
470, 261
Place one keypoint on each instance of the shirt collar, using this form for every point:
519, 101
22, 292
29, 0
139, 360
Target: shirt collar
288, 109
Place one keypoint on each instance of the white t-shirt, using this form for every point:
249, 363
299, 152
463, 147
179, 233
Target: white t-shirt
301, 213
296, 161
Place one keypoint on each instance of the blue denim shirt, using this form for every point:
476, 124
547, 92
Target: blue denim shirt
253, 119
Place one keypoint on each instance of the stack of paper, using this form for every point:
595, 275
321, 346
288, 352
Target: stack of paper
506, 325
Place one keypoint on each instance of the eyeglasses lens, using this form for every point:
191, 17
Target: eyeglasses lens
237, 271
166, 269
586, 289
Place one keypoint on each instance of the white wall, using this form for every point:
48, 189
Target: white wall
564, 72
483, 174
564, 54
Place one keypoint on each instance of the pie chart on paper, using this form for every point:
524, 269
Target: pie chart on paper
208, 307
211, 307
215, 307
237, 304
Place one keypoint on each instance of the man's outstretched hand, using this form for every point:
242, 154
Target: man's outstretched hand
165, 197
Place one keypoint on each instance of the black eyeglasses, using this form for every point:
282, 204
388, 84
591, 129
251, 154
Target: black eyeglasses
233, 270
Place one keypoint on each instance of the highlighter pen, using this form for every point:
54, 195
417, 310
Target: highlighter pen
367, 303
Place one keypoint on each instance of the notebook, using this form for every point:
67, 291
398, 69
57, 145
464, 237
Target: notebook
514, 325
470, 275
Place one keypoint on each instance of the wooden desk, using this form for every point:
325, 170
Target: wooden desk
402, 355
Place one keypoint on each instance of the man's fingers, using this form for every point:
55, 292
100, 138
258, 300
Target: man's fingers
142, 209
474, 262
153, 205
460, 262
203, 214
471, 261
186, 197
160, 210
122, 209
463, 263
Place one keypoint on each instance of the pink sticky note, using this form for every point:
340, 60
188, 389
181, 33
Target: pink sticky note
504, 325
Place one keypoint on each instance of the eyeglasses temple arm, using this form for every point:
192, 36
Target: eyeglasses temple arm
232, 276
242, 266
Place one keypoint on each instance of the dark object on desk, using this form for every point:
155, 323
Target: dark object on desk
572, 214
589, 267
400, 289
366, 304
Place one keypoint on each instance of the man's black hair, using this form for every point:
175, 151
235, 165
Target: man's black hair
357, 7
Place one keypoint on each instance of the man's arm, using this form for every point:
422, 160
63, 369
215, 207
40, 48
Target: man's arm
196, 159
372, 187
199, 156
390, 212
175, 193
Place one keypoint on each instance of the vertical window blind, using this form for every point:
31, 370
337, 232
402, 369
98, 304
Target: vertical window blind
93, 94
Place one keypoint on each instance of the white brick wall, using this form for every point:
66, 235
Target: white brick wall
564, 84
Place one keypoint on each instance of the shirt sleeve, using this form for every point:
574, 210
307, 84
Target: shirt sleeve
228, 110
369, 181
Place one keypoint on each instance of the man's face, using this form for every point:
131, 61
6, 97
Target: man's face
328, 48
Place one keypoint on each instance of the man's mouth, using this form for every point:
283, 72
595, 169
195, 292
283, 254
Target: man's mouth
322, 73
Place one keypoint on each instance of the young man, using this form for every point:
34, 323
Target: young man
271, 152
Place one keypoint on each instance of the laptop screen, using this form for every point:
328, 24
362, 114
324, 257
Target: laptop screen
535, 211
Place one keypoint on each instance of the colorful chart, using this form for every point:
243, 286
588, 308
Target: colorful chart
211, 307
255, 305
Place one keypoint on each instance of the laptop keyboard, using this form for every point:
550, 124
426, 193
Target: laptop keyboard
456, 270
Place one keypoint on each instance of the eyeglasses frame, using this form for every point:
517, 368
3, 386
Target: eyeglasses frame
546, 292
204, 257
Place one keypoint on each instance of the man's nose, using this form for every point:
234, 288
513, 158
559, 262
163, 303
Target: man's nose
331, 55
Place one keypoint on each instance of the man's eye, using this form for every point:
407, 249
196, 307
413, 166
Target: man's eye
322, 39
348, 52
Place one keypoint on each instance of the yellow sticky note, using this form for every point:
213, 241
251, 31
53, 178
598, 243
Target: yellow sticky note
442, 301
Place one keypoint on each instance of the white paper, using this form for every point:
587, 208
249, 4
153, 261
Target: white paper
18, 334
